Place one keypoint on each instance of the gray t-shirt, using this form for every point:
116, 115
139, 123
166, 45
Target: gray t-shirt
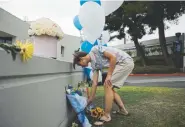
98, 61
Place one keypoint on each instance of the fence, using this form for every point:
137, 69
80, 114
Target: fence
152, 50
32, 94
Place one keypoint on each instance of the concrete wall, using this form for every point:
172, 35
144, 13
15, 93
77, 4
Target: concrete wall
13, 25
70, 43
33, 94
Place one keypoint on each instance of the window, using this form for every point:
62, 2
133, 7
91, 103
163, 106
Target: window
62, 51
6, 40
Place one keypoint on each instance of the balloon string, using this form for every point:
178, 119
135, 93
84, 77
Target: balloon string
81, 36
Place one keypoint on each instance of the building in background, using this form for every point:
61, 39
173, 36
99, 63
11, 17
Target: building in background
13, 28
150, 44
153, 48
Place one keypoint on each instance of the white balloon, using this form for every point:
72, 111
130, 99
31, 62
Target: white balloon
91, 75
105, 36
111, 6
89, 37
99, 77
92, 18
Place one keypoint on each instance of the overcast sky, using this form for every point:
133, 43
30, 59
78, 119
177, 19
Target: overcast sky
63, 12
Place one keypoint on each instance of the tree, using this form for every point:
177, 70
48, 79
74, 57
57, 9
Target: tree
160, 11
129, 15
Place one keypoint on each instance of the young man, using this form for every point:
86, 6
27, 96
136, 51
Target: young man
118, 65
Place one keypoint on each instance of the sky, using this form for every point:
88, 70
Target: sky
63, 11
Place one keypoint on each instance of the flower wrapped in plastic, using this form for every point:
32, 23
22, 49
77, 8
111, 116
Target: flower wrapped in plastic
79, 104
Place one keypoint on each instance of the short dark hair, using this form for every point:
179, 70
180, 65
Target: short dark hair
77, 57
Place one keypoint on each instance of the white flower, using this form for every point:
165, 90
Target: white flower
30, 32
38, 32
42, 31
48, 32
38, 26
54, 34
45, 26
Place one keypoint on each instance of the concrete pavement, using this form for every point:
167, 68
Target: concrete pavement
164, 81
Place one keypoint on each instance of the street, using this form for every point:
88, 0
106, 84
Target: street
164, 81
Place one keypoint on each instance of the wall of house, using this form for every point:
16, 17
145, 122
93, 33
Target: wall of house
13, 25
70, 44
32, 94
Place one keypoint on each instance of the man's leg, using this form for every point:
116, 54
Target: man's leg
121, 73
118, 78
119, 103
109, 97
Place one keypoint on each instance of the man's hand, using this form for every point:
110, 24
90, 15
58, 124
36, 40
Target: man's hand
108, 80
89, 101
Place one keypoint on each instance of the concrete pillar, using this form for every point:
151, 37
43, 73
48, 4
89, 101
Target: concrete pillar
183, 39
125, 39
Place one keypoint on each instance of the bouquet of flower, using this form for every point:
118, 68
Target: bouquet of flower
97, 112
45, 26
83, 87
79, 103
25, 49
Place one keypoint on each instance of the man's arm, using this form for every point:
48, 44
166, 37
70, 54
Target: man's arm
112, 62
94, 84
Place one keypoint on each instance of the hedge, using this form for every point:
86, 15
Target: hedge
154, 70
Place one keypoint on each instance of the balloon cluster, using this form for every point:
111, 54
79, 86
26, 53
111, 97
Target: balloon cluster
91, 21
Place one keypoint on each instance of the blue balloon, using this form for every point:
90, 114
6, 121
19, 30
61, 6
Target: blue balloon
86, 46
87, 72
84, 1
77, 23
96, 43
105, 45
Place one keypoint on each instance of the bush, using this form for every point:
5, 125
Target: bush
151, 60
154, 70
138, 61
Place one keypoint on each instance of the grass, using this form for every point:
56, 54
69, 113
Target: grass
149, 107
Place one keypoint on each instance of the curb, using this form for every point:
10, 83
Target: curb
175, 74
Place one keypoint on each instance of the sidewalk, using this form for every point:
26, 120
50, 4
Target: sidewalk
175, 74
162, 81
149, 79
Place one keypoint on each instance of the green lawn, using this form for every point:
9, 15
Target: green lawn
149, 107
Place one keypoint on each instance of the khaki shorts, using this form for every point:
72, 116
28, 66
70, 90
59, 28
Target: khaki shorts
121, 72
